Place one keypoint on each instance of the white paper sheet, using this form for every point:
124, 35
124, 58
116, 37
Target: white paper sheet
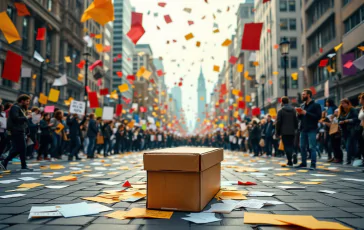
201, 218
78, 209
12, 195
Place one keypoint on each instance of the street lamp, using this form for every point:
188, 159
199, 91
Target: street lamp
284, 48
256, 85
262, 82
86, 74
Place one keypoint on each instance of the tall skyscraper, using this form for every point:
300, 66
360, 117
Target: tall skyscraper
122, 45
201, 97
177, 95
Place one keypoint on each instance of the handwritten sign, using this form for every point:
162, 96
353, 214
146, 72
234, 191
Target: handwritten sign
77, 107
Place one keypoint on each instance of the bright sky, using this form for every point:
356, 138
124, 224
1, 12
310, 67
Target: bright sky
189, 59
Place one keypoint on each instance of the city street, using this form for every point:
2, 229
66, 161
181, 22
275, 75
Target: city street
346, 206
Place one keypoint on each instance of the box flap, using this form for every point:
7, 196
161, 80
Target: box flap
182, 159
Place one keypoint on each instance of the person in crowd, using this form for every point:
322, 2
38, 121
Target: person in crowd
255, 137
309, 114
324, 137
56, 130
286, 126
361, 127
33, 132
75, 134
45, 137
107, 133
331, 107
2, 130
91, 135
268, 131
335, 137
348, 121
17, 125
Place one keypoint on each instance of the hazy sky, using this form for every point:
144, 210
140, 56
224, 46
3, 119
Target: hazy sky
189, 59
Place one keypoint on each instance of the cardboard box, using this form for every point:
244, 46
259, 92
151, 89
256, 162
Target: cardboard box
182, 179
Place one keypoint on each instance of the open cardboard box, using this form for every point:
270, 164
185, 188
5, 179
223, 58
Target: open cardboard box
182, 179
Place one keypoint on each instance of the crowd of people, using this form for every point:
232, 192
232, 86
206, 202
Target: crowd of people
308, 129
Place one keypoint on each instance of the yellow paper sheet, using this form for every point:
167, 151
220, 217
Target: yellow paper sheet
147, 74
145, 213
53, 95
140, 71
59, 127
68, 59
8, 28
309, 222
56, 166
257, 218
285, 174
216, 68
43, 99
30, 185
310, 182
240, 68
123, 88
101, 11
227, 42
189, 36
120, 215
66, 178
99, 48
100, 200
336, 48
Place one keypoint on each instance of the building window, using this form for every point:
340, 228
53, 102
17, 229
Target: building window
355, 19
323, 35
281, 82
25, 34
293, 42
346, 2
25, 84
294, 84
284, 23
292, 5
316, 10
49, 5
292, 24
283, 6
37, 24
294, 62
12, 14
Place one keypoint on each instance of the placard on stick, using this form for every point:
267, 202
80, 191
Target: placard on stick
77, 107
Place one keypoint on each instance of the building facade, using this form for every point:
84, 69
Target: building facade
326, 24
177, 95
280, 19
63, 38
122, 45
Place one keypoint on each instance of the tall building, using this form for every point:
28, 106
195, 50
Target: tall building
63, 38
201, 97
280, 19
122, 45
245, 14
108, 57
326, 24
177, 95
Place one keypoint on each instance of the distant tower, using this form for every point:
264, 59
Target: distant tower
201, 92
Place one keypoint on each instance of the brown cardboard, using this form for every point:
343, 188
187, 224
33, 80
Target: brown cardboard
182, 179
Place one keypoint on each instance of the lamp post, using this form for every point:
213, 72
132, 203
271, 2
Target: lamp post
86, 75
284, 48
256, 85
262, 82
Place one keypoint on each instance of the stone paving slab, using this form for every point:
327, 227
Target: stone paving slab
346, 206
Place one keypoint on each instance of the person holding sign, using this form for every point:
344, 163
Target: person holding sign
75, 134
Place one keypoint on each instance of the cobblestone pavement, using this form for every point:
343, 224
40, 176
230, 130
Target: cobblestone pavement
346, 206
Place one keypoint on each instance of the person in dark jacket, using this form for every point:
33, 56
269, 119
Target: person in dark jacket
267, 132
91, 134
75, 134
45, 137
33, 132
309, 114
348, 121
286, 126
17, 125
254, 137
107, 132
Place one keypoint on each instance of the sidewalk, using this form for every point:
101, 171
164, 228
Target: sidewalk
346, 206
